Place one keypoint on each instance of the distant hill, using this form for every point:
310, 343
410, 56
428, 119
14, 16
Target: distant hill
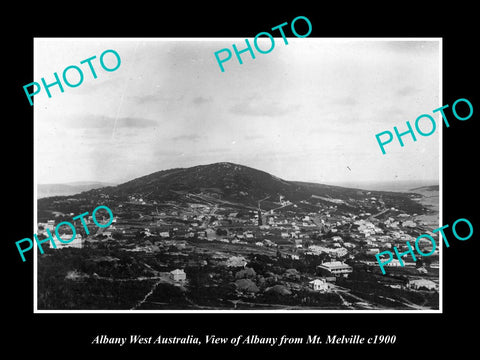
47, 190
227, 181
241, 186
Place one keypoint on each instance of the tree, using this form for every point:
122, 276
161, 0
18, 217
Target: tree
221, 232
117, 235
307, 243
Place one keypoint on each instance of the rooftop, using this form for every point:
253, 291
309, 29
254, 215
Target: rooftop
334, 265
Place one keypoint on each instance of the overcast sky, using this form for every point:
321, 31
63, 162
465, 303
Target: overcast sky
307, 111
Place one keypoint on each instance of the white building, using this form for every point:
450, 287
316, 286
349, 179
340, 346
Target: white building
78, 242
319, 285
316, 249
340, 252
335, 268
417, 284
178, 275
50, 225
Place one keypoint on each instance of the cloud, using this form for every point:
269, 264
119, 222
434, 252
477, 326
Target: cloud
253, 137
413, 46
104, 85
107, 122
199, 100
345, 101
162, 152
187, 137
262, 108
129, 122
151, 98
338, 129
145, 99
407, 90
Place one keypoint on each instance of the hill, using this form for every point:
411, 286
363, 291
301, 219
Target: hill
237, 185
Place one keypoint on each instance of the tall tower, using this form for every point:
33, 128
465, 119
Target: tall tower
259, 218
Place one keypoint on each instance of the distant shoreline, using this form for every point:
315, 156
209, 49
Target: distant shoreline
395, 186
68, 189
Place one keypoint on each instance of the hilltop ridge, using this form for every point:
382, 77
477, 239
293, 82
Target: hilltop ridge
245, 186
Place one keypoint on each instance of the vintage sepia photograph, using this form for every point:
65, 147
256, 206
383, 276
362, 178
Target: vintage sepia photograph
261, 188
